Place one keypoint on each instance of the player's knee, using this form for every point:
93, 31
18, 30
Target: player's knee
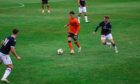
113, 44
75, 42
48, 6
104, 43
79, 14
85, 14
10, 66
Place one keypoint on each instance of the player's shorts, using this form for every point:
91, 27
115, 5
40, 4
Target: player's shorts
74, 37
44, 1
5, 59
108, 36
82, 9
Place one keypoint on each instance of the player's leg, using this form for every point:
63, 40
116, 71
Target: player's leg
79, 14
7, 61
103, 40
85, 14
113, 43
70, 43
75, 38
43, 7
0, 60
48, 8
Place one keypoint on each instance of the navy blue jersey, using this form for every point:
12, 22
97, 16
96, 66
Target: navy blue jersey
83, 3
44, 1
105, 28
7, 43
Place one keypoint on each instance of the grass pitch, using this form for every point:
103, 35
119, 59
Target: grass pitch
42, 34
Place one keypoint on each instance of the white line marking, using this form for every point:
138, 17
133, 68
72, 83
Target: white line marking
21, 5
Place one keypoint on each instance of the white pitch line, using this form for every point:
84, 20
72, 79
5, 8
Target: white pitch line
57, 1
21, 5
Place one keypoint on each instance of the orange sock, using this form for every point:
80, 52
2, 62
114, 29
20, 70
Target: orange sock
77, 44
70, 45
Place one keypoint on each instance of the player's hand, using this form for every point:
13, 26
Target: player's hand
18, 58
65, 26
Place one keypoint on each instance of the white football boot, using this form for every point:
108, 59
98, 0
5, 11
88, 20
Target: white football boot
43, 11
5, 81
79, 49
72, 52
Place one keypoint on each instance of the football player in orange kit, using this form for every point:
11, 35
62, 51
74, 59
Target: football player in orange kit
73, 30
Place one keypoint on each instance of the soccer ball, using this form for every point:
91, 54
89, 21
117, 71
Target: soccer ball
60, 51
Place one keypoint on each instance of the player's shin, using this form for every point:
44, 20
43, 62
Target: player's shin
42, 8
7, 73
48, 8
79, 19
108, 44
115, 47
70, 45
78, 45
86, 18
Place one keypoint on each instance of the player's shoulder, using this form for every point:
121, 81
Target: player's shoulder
109, 22
75, 19
11, 38
102, 22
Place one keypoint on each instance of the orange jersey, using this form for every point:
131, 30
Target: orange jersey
74, 26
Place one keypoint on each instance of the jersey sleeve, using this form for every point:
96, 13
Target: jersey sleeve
78, 26
100, 24
110, 26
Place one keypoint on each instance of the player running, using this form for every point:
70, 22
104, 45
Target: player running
43, 5
8, 45
106, 33
82, 9
74, 28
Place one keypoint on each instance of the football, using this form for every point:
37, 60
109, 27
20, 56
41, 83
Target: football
60, 51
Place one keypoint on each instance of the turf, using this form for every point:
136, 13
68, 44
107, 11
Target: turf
42, 34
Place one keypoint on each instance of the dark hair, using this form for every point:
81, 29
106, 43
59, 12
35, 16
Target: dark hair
72, 12
15, 31
106, 17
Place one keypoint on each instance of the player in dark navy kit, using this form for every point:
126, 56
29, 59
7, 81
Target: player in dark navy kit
43, 6
106, 28
7, 46
82, 9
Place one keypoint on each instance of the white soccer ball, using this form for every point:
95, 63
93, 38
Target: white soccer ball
60, 51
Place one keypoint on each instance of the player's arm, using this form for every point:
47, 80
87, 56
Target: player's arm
14, 53
78, 27
67, 25
96, 29
79, 3
110, 26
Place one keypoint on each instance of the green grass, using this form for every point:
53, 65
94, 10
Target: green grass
42, 34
